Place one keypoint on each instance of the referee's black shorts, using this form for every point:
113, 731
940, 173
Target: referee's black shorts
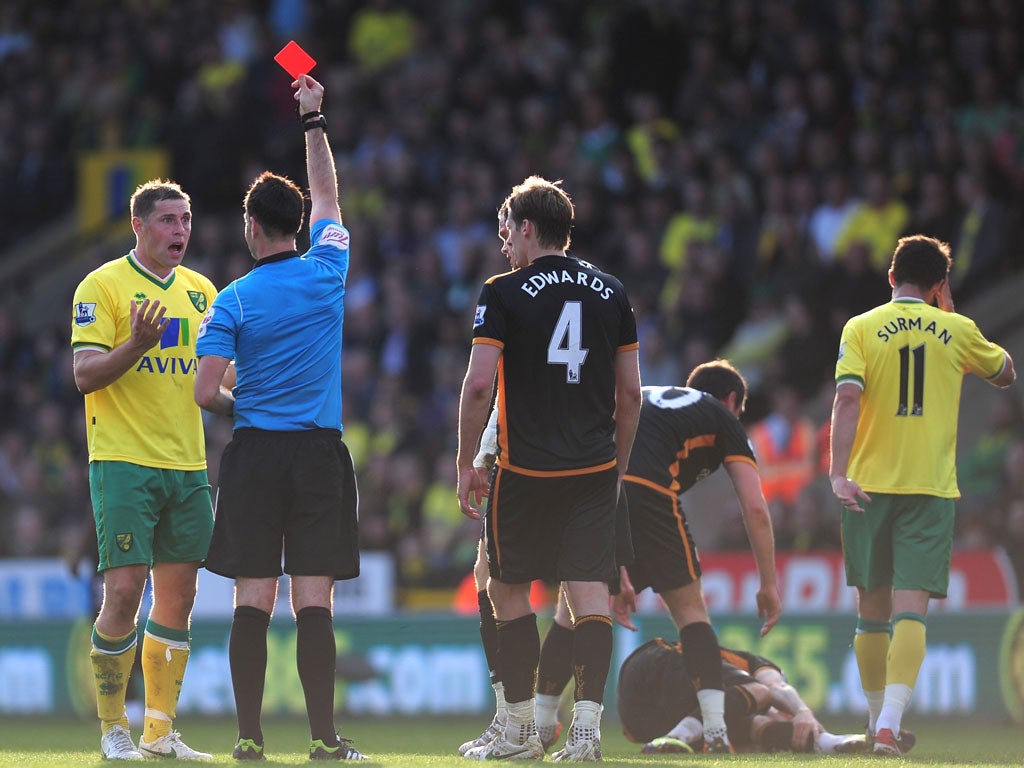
286, 492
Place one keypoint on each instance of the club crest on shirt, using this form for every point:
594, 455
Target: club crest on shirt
124, 541
85, 313
479, 319
198, 300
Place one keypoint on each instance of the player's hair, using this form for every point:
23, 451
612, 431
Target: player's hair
276, 202
719, 378
548, 206
146, 196
920, 260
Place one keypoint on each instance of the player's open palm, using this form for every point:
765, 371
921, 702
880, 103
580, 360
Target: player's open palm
148, 323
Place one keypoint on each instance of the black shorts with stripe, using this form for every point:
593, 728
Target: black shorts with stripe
559, 527
665, 554
286, 492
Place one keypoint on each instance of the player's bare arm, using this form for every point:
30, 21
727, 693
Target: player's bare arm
757, 520
845, 413
320, 169
473, 410
628, 399
786, 698
95, 370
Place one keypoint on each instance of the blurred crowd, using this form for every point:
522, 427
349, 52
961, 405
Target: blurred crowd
745, 167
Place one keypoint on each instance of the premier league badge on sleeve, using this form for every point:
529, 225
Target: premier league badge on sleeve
479, 319
85, 313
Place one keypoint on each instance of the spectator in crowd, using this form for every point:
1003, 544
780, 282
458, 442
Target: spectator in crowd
785, 447
443, 111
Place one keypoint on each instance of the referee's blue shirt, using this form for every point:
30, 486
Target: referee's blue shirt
281, 324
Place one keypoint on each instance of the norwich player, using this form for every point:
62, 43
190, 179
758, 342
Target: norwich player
133, 334
894, 424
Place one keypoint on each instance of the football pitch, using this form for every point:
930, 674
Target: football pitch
44, 742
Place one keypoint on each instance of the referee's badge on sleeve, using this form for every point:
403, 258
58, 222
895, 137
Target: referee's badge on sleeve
206, 321
334, 235
479, 319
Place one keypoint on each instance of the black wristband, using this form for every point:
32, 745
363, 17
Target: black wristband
305, 117
320, 122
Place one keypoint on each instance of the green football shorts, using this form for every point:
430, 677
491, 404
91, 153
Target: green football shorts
145, 515
905, 540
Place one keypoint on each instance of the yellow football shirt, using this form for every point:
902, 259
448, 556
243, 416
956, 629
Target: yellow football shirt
910, 359
148, 416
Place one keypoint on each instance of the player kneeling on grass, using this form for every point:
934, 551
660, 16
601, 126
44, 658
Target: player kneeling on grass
658, 706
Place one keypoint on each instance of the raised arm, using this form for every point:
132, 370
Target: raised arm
320, 170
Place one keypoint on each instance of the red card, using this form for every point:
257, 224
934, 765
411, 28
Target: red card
295, 60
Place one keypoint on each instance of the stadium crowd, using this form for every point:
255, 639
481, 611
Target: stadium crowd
745, 167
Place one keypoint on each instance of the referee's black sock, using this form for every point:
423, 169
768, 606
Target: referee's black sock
555, 669
489, 635
519, 651
316, 657
702, 655
591, 656
247, 656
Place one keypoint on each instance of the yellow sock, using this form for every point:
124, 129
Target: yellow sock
112, 659
871, 647
164, 656
906, 652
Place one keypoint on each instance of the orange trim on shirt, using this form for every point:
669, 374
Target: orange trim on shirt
556, 472
492, 342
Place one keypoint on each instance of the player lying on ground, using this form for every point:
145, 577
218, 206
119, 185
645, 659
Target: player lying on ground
658, 706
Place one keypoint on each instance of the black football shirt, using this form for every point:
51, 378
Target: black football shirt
683, 436
559, 323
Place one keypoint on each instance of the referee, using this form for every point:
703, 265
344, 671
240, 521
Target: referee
287, 484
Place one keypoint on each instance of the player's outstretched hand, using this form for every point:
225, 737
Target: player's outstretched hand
148, 323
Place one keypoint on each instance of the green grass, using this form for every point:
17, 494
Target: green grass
46, 742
